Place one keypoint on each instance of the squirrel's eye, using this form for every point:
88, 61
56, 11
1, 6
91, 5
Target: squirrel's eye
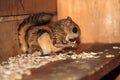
74, 30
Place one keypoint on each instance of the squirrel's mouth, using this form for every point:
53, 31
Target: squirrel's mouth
75, 41
72, 40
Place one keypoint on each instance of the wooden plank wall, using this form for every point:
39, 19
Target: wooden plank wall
8, 39
99, 20
11, 15
17, 7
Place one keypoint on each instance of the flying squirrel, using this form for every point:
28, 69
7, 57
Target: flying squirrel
39, 33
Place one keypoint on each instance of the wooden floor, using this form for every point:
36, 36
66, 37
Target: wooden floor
88, 69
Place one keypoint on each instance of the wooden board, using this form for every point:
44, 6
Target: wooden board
82, 69
20, 7
9, 39
99, 20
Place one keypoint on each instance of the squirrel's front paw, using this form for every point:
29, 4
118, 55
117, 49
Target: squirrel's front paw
69, 44
73, 44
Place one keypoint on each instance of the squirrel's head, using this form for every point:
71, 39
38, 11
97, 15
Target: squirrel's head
71, 29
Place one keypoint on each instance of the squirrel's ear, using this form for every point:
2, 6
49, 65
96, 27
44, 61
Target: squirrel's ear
68, 21
69, 18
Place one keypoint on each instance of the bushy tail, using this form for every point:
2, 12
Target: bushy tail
31, 21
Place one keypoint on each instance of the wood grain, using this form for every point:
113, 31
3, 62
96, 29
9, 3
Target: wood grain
19, 7
81, 69
99, 20
9, 45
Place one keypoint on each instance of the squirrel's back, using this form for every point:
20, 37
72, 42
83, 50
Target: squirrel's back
31, 21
